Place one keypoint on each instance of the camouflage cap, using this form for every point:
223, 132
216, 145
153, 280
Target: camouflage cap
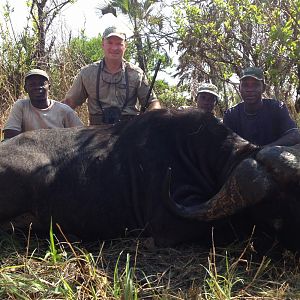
114, 31
208, 88
254, 72
37, 72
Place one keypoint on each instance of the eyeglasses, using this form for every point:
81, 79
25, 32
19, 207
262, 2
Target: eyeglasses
111, 78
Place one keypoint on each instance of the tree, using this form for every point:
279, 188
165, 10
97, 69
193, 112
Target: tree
147, 21
43, 13
73, 55
218, 38
21, 51
172, 96
16, 52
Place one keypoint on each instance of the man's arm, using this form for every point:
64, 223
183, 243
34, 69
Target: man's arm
72, 119
70, 102
13, 125
292, 137
154, 105
289, 133
77, 93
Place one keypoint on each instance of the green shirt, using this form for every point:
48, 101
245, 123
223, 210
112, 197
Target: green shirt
112, 89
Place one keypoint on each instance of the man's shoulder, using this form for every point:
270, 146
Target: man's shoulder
271, 102
133, 68
90, 67
23, 100
61, 106
22, 103
234, 109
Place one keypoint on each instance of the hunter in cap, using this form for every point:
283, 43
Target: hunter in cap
207, 97
259, 120
38, 111
114, 88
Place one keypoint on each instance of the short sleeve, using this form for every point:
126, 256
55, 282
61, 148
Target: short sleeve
77, 92
285, 121
72, 119
15, 118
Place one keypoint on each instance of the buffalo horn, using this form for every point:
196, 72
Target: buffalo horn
247, 185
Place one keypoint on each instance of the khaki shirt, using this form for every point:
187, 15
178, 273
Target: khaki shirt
25, 117
112, 89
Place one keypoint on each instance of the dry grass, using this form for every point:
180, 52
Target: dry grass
32, 268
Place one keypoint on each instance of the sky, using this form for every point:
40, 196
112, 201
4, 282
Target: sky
75, 17
85, 15
81, 14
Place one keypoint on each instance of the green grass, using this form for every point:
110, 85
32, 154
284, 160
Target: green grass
32, 268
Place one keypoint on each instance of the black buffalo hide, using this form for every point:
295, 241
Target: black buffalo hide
113, 180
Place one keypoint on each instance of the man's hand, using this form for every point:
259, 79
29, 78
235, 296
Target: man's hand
154, 105
69, 102
289, 139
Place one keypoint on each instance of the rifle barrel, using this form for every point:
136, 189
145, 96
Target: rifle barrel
151, 86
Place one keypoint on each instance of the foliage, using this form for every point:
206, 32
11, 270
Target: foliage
16, 51
147, 20
19, 51
42, 15
73, 55
218, 38
172, 96
103, 271
89, 49
124, 285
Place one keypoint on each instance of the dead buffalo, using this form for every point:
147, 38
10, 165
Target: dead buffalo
166, 174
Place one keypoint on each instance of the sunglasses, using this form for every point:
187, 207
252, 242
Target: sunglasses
111, 78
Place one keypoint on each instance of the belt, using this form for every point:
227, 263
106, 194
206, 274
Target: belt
97, 119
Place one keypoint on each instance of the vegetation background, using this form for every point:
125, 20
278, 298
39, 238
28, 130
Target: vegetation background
213, 41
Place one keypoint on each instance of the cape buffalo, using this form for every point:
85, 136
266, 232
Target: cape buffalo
166, 174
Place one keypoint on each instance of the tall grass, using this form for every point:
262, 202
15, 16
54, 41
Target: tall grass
32, 268
124, 286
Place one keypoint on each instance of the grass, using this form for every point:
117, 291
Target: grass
127, 269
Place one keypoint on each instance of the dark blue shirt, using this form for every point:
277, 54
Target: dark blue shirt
270, 123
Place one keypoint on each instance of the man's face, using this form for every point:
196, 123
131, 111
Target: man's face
114, 48
251, 89
206, 101
37, 88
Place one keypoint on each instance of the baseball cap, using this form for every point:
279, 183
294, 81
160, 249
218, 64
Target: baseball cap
208, 88
37, 72
114, 31
254, 72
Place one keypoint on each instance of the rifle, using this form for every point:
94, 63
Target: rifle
151, 86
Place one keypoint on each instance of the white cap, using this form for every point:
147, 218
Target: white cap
37, 72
